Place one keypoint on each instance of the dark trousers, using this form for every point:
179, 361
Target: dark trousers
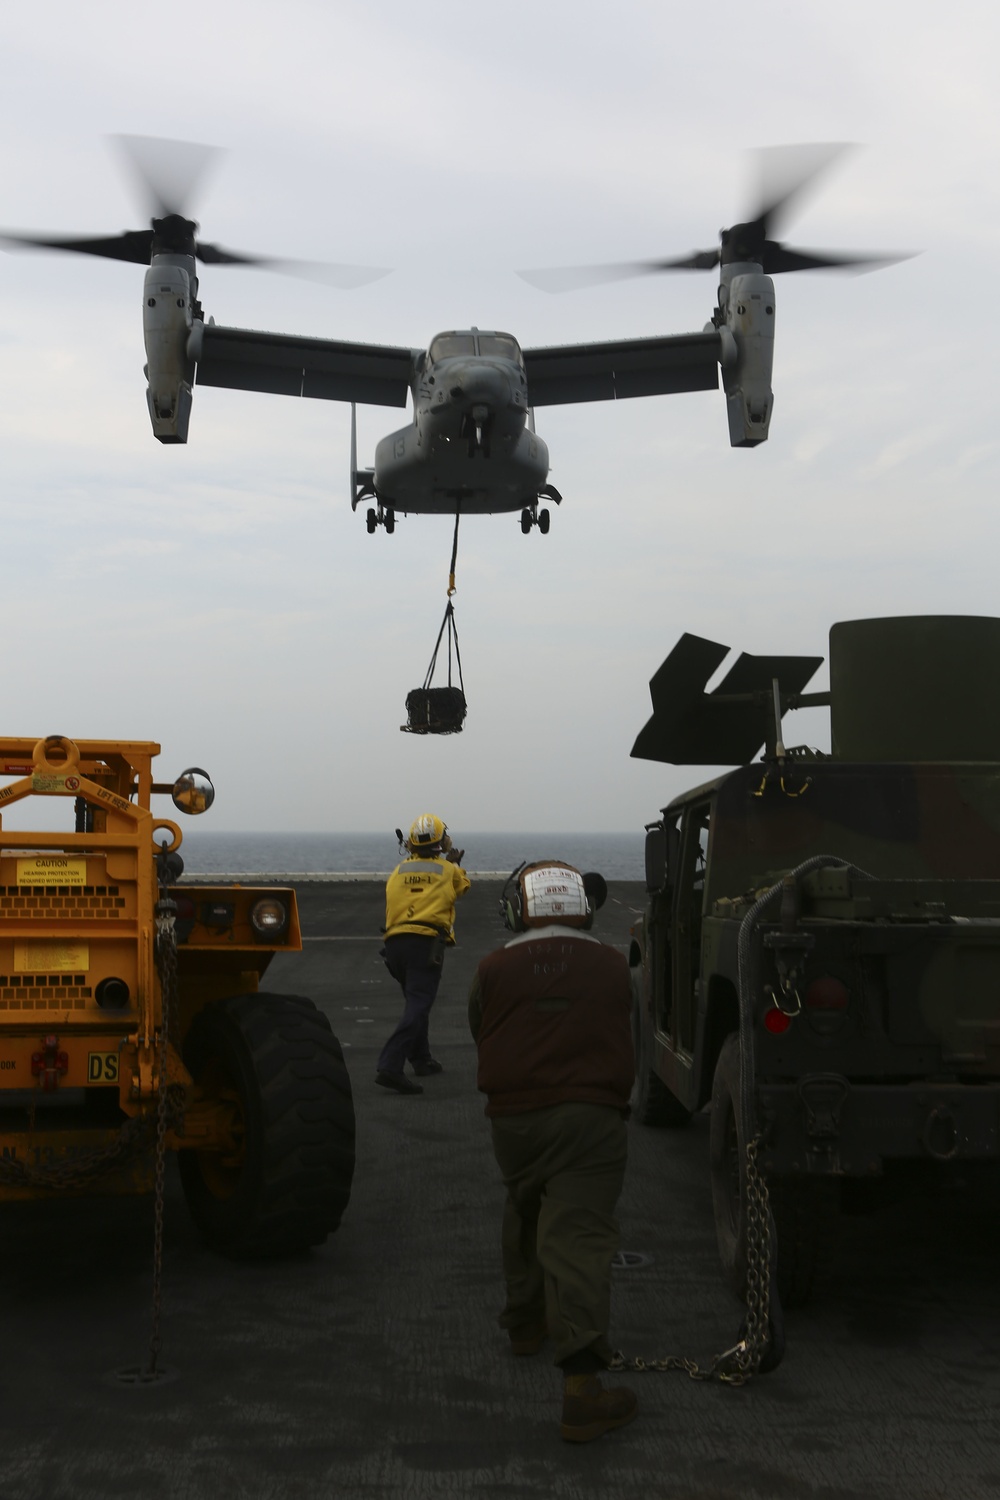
407, 957
563, 1168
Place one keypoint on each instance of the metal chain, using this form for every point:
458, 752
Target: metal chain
85, 1166
738, 1365
166, 964
757, 1213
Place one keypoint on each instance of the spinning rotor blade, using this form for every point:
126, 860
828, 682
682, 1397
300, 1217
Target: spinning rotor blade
329, 274
784, 174
135, 245
167, 173
569, 278
779, 258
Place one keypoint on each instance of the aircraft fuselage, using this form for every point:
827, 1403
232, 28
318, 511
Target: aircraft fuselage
469, 446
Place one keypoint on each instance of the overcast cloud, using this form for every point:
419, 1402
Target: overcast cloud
222, 598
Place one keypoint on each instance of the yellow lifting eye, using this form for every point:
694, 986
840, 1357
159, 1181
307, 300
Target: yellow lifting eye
166, 825
56, 755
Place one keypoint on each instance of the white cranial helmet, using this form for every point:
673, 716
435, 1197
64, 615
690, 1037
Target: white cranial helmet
554, 893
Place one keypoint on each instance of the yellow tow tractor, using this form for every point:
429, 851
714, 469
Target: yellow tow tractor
132, 1022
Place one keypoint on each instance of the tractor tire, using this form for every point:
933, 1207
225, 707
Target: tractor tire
652, 1102
289, 1183
804, 1209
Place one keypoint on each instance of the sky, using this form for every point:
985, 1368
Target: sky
222, 599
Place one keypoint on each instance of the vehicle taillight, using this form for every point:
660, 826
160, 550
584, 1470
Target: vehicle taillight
827, 994
185, 918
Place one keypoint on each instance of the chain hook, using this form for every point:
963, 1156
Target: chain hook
760, 1345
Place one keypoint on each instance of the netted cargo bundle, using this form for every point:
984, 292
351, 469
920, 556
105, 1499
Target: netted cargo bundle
432, 710
438, 710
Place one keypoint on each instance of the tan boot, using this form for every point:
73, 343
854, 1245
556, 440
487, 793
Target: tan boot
589, 1410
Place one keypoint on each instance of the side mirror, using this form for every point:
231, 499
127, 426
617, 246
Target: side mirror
662, 850
656, 858
193, 791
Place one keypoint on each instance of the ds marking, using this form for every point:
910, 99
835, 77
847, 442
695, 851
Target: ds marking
102, 1067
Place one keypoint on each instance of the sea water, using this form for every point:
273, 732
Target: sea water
617, 856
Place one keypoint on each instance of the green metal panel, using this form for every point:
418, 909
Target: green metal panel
916, 688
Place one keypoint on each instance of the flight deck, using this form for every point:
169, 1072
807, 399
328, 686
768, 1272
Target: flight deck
373, 1366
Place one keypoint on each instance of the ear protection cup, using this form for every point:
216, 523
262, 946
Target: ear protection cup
511, 904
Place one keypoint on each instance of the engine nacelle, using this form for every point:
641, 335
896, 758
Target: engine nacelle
749, 311
166, 325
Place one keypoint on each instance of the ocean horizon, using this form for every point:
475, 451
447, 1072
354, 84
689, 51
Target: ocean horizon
617, 856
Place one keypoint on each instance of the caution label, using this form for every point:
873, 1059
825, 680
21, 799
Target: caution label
51, 869
48, 783
49, 956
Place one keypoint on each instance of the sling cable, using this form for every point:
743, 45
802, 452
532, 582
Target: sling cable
441, 710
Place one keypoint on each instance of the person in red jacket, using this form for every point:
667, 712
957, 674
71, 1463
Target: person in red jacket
551, 1015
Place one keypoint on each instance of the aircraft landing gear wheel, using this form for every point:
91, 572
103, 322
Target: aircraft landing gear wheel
543, 522
526, 521
389, 522
275, 1063
371, 521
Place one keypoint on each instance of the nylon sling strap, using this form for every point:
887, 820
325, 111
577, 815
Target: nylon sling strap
454, 555
448, 623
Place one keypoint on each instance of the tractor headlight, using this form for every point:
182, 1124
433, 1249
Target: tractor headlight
269, 919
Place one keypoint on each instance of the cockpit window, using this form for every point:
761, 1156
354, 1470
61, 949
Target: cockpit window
448, 345
501, 346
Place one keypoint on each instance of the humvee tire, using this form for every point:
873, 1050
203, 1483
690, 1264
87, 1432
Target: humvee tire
288, 1188
805, 1209
652, 1102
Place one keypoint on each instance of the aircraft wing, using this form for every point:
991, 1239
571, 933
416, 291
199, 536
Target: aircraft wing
627, 367
243, 360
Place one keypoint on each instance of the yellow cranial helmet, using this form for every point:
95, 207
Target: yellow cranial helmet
427, 832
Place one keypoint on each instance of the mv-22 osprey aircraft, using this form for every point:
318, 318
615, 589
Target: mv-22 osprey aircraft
471, 446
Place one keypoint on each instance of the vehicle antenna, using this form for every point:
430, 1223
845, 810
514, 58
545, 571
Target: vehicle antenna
779, 748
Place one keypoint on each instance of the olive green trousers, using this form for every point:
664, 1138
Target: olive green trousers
563, 1168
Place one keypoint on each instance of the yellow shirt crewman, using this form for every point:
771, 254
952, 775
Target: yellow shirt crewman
420, 897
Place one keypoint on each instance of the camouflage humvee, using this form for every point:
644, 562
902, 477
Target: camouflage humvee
820, 952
